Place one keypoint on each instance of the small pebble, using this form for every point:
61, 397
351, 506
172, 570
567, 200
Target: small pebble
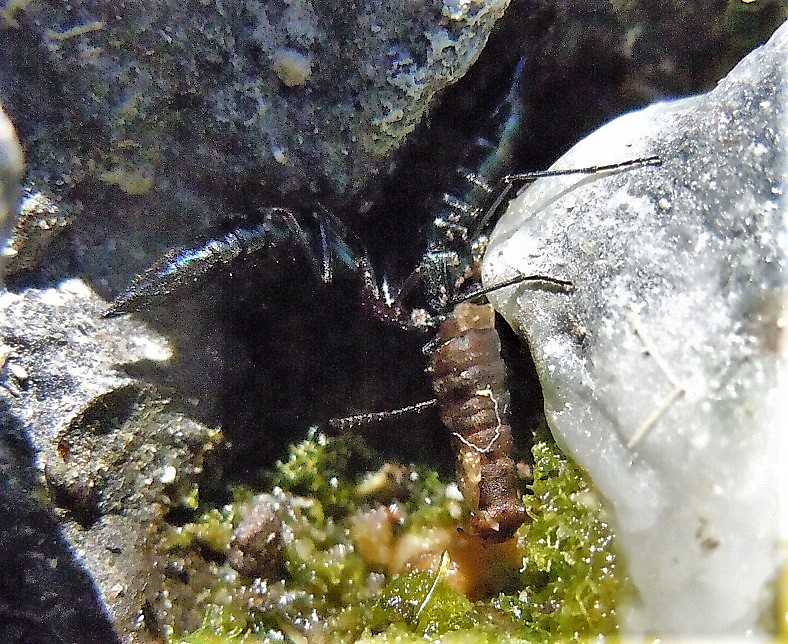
292, 67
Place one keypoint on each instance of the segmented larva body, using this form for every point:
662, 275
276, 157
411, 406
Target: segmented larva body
469, 380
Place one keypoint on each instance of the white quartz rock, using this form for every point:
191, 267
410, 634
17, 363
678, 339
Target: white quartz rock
11, 168
664, 370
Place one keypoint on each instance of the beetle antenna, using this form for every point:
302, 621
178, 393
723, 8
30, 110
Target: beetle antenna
563, 285
362, 420
508, 182
594, 169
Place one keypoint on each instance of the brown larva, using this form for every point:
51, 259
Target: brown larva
469, 381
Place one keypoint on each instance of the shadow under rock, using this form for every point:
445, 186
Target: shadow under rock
45, 595
265, 351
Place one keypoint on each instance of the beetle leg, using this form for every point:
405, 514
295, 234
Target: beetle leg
183, 266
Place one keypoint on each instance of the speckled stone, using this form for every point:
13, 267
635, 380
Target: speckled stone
114, 453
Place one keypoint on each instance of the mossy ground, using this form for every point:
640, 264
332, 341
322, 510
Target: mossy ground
379, 558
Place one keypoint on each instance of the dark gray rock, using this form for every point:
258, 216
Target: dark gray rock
277, 100
38, 222
664, 370
45, 595
115, 455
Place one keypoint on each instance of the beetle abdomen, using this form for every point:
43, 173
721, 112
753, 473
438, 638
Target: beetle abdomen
469, 380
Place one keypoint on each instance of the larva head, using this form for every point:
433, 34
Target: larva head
498, 524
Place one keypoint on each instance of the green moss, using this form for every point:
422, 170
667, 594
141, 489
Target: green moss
322, 474
572, 582
221, 624
323, 563
567, 587
212, 530
429, 504
423, 604
749, 21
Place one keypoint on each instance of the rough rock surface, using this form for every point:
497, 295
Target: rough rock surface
282, 99
664, 369
115, 455
46, 596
